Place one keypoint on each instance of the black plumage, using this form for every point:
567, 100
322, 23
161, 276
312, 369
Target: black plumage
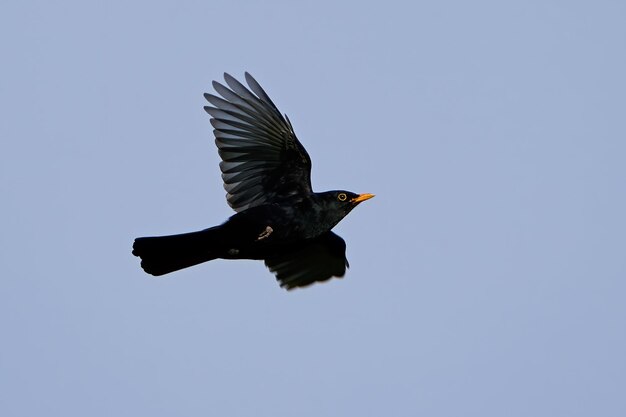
267, 177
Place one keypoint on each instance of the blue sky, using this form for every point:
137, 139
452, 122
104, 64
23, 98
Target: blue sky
487, 276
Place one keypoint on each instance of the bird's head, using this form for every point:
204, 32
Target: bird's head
337, 204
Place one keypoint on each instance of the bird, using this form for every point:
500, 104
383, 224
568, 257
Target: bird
266, 173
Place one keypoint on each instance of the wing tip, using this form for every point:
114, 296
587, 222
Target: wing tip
216, 85
249, 78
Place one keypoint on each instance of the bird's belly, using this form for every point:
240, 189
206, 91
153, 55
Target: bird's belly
259, 231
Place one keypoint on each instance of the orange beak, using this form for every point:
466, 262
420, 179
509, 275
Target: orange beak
361, 197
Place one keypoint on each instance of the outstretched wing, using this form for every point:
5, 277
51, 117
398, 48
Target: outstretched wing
262, 160
316, 260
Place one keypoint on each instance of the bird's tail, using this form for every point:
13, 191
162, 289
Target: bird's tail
164, 254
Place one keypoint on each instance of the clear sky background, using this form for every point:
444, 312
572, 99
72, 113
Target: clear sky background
487, 276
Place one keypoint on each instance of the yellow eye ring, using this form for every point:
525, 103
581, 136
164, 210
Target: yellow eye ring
342, 197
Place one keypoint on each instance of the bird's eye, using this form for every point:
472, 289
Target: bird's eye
342, 197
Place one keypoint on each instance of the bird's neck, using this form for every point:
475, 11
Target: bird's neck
319, 217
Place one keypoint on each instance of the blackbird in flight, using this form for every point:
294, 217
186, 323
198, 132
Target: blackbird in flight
267, 177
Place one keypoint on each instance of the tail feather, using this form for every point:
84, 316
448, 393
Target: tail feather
164, 254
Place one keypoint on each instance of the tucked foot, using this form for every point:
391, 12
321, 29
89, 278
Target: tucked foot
268, 231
